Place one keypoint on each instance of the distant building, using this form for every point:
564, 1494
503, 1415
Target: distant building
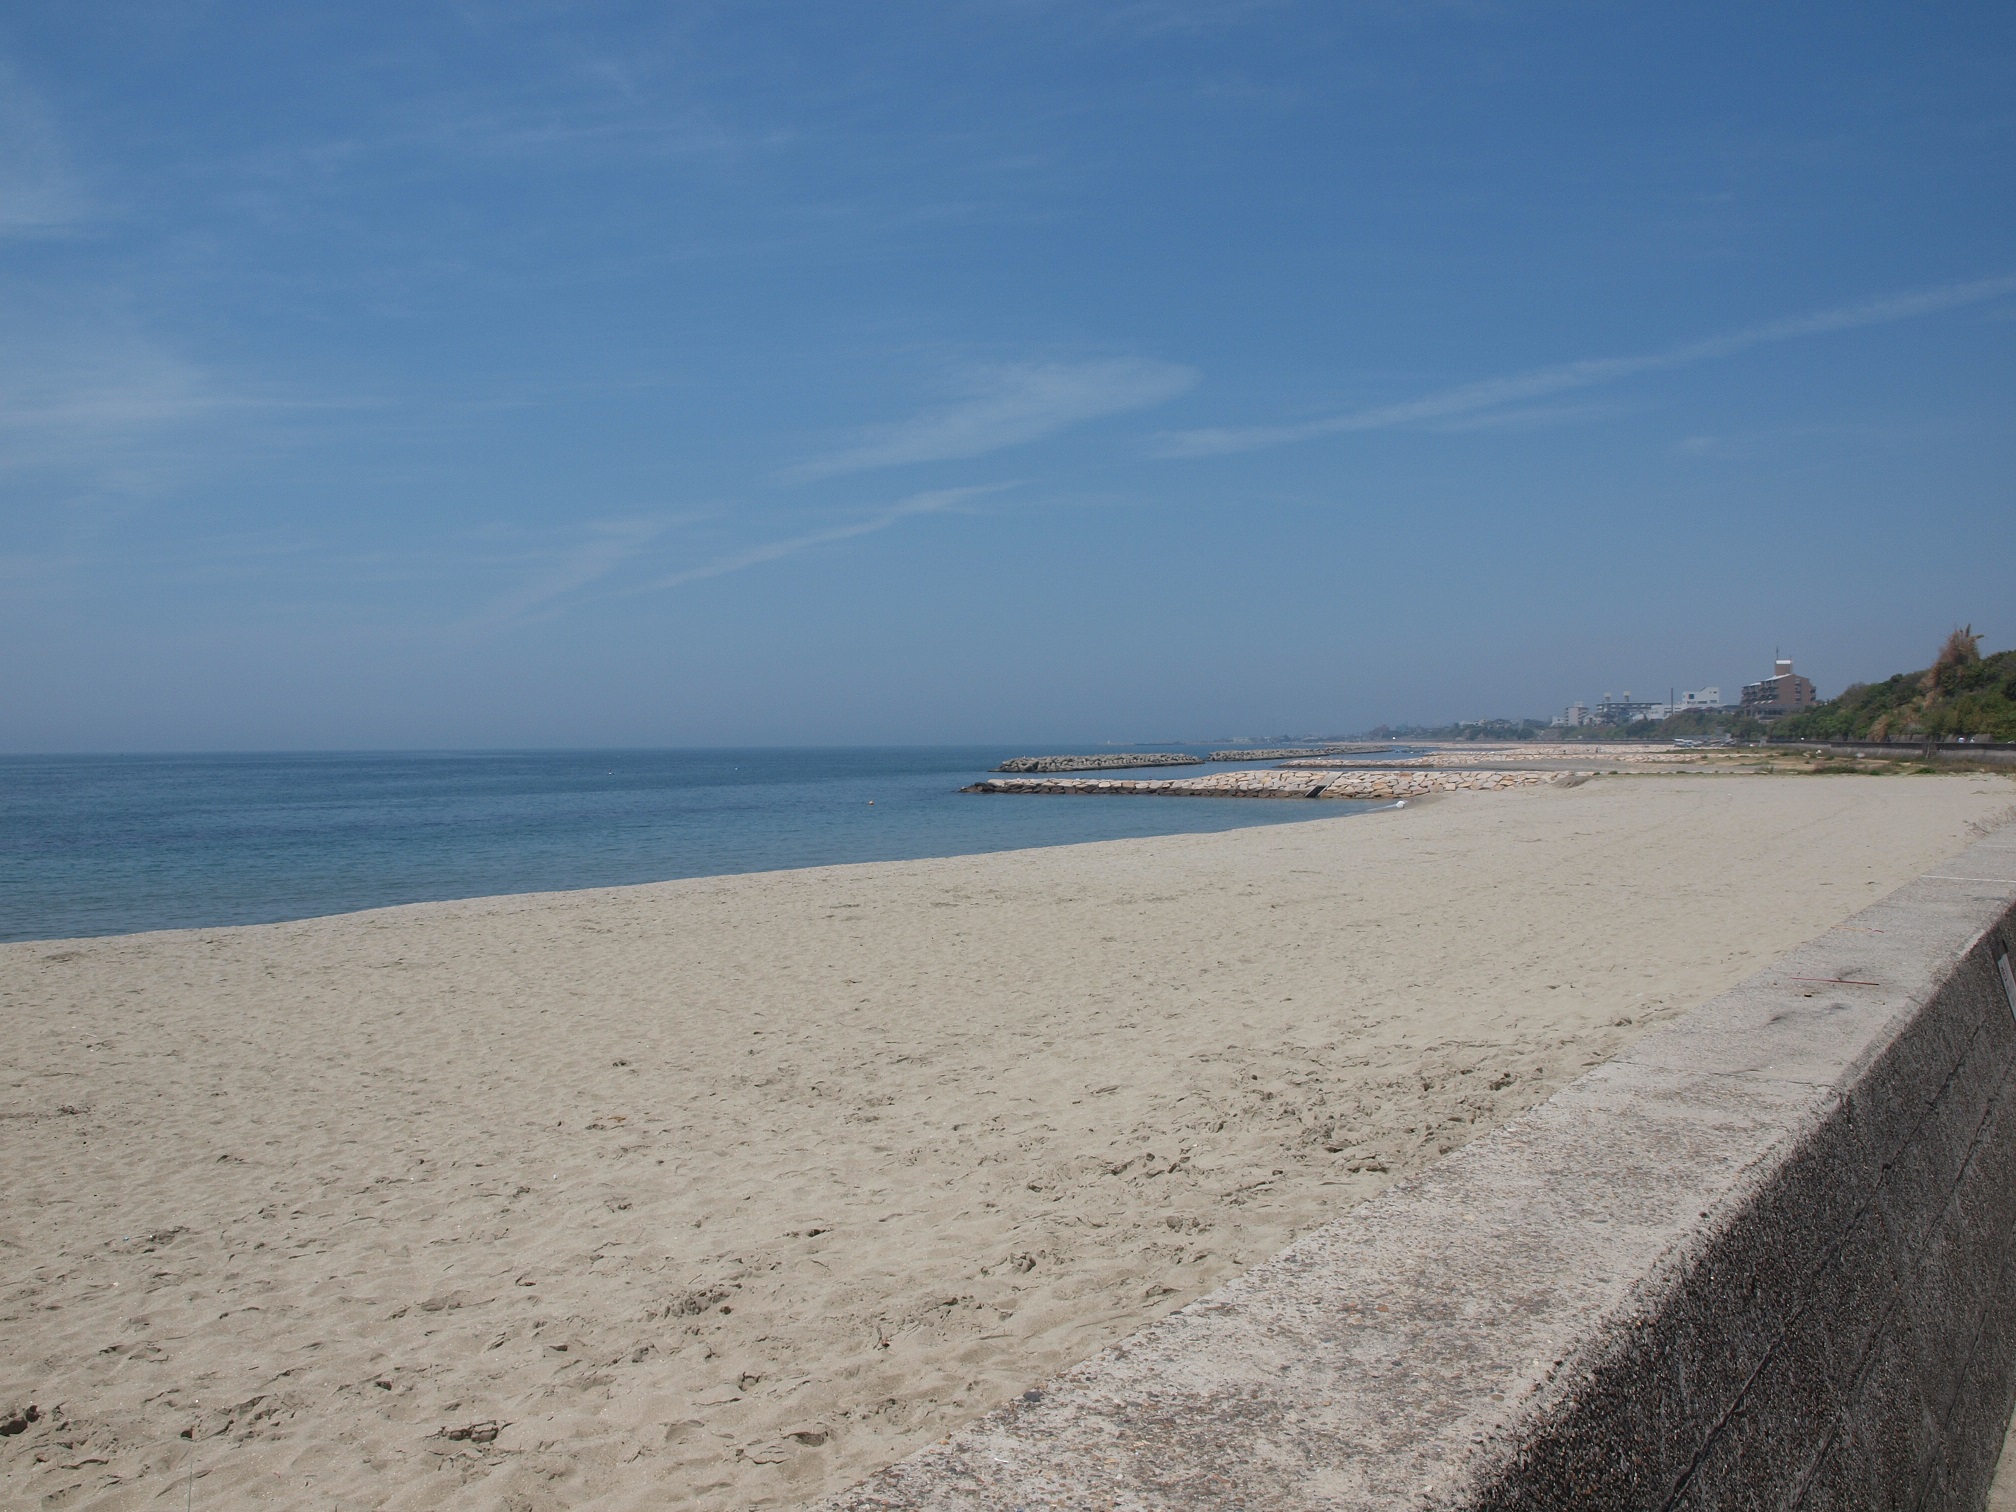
1623, 711
1784, 692
1700, 701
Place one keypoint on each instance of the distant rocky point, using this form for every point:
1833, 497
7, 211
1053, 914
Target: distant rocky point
1096, 763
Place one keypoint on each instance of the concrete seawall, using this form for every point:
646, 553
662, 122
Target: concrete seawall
1762, 1259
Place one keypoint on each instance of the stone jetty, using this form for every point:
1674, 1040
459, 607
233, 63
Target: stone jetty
1097, 763
1286, 753
1609, 755
1372, 785
1414, 784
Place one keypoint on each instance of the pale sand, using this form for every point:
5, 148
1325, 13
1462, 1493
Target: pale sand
2002, 1491
931, 1130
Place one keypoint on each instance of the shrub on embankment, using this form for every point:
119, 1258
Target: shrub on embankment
1961, 693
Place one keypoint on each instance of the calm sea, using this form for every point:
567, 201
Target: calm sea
109, 844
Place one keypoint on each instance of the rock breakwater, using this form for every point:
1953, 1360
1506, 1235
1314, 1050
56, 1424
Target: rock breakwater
1363, 785
1412, 784
1609, 755
1097, 763
1286, 753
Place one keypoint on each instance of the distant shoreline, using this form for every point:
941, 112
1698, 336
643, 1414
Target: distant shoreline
93, 846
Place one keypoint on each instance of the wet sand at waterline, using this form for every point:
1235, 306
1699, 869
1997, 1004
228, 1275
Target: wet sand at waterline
725, 1192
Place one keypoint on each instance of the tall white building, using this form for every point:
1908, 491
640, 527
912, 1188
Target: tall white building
1623, 711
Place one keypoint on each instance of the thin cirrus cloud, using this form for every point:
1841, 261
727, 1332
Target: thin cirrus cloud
1007, 407
105, 410
100, 386
935, 502
38, 195
1493, 394
610, 544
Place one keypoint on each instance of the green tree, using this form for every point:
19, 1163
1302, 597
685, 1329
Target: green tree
1961, 693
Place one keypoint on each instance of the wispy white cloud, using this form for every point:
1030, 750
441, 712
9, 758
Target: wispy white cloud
1491, 394
97, 404
38, 192
1525, 417
1007, 406
1804, 444
108, 383
935, 502
97, 407
557, 134
610, 544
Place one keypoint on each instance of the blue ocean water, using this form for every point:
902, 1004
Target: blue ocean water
111, 844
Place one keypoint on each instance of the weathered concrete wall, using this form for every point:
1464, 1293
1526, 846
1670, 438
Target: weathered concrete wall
1763, 1259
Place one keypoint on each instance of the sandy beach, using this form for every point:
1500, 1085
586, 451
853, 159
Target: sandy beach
722, 1193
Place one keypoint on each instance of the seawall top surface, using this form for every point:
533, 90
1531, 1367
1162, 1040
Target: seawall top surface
1396, 1356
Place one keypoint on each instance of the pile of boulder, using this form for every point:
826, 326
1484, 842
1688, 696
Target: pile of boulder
1286, 783
1609, 755
1411, 784
1096, 763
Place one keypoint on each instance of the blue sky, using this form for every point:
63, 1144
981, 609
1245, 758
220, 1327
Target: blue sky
380, 375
